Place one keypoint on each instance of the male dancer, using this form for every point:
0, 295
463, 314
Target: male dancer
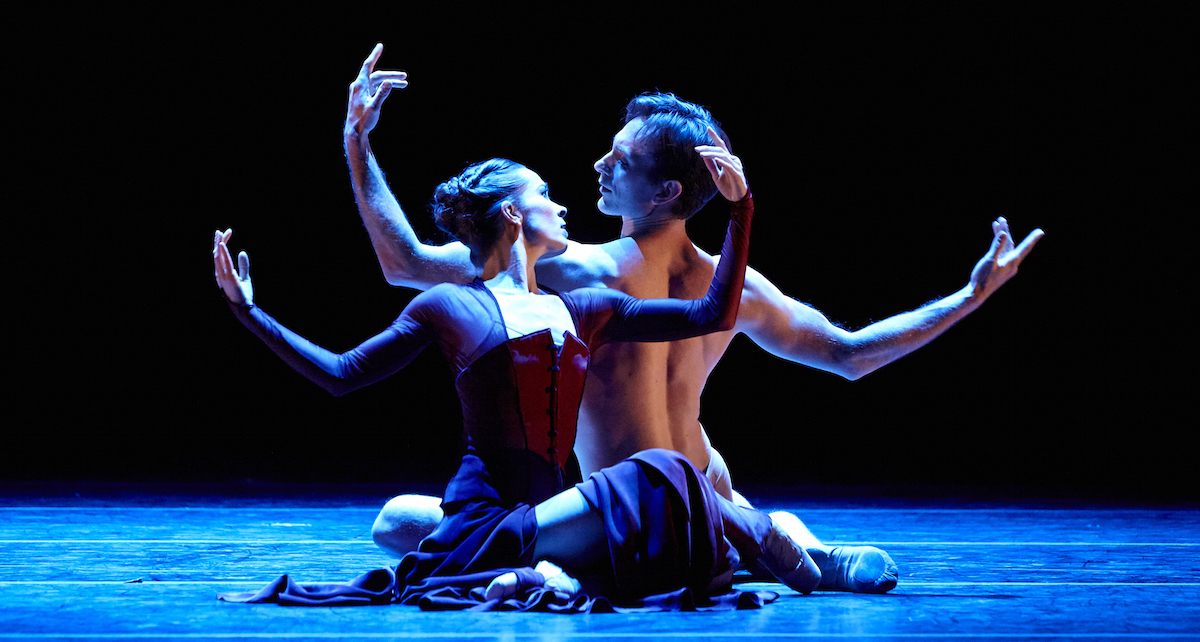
647, 395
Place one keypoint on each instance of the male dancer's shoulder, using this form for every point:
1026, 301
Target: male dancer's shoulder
582, 265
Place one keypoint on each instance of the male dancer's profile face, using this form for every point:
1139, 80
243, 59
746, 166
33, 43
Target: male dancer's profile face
626, 187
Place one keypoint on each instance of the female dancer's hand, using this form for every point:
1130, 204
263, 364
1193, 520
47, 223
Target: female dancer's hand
726, 168
234, 283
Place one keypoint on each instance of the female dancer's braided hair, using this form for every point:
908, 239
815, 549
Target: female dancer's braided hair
467, 206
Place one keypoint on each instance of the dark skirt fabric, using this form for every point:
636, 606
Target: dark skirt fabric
664, 526
666, 543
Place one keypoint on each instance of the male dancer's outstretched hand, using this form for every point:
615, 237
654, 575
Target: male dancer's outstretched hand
726, 168
1002, 259
368, 91
234, 283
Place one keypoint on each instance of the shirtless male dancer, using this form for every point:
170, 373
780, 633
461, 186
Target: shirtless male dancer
647, 395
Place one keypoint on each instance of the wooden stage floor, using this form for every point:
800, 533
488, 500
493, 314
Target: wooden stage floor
142, 562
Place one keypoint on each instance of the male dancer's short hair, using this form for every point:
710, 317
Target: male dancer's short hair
673, 128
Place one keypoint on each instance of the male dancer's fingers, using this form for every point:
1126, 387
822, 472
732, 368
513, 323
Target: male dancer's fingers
243, 266
1008, 233
993, 253
998, 245
369, 64
1026, 245
380, 96
397, 78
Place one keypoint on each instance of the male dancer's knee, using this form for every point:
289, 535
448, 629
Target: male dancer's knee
718, 473
404, 521
738, 500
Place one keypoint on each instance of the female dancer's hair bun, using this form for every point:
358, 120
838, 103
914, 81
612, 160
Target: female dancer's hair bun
467, 206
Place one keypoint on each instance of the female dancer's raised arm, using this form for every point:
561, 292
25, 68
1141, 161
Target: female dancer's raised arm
372, 360
520, 377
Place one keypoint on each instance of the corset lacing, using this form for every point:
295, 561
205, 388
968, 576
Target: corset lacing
552, 410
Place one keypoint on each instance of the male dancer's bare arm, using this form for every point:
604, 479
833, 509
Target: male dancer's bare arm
404, 259
794, 331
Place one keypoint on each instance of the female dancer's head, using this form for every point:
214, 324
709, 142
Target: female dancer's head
496, 199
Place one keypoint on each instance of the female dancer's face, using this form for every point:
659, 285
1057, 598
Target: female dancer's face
542, 219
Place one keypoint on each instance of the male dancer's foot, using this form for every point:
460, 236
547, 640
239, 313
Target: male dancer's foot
860, 569
785, 559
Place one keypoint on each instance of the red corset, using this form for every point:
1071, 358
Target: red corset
525, 393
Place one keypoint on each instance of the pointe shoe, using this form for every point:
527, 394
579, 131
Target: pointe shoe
557, 579
785, 559
859, 569
502, 587
553, 578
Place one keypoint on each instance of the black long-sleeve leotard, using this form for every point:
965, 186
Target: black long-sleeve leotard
520, 398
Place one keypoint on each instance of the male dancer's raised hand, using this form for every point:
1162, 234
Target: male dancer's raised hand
368, 91
1002, 259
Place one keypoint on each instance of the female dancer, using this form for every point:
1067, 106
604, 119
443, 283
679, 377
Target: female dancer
649, 532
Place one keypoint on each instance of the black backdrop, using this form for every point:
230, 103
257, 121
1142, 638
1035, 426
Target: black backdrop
880, 140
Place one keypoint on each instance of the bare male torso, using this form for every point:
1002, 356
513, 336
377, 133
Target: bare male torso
642, 395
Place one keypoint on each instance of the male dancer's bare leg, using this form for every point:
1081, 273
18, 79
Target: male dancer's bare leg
861, 569
571, 534
407, 519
